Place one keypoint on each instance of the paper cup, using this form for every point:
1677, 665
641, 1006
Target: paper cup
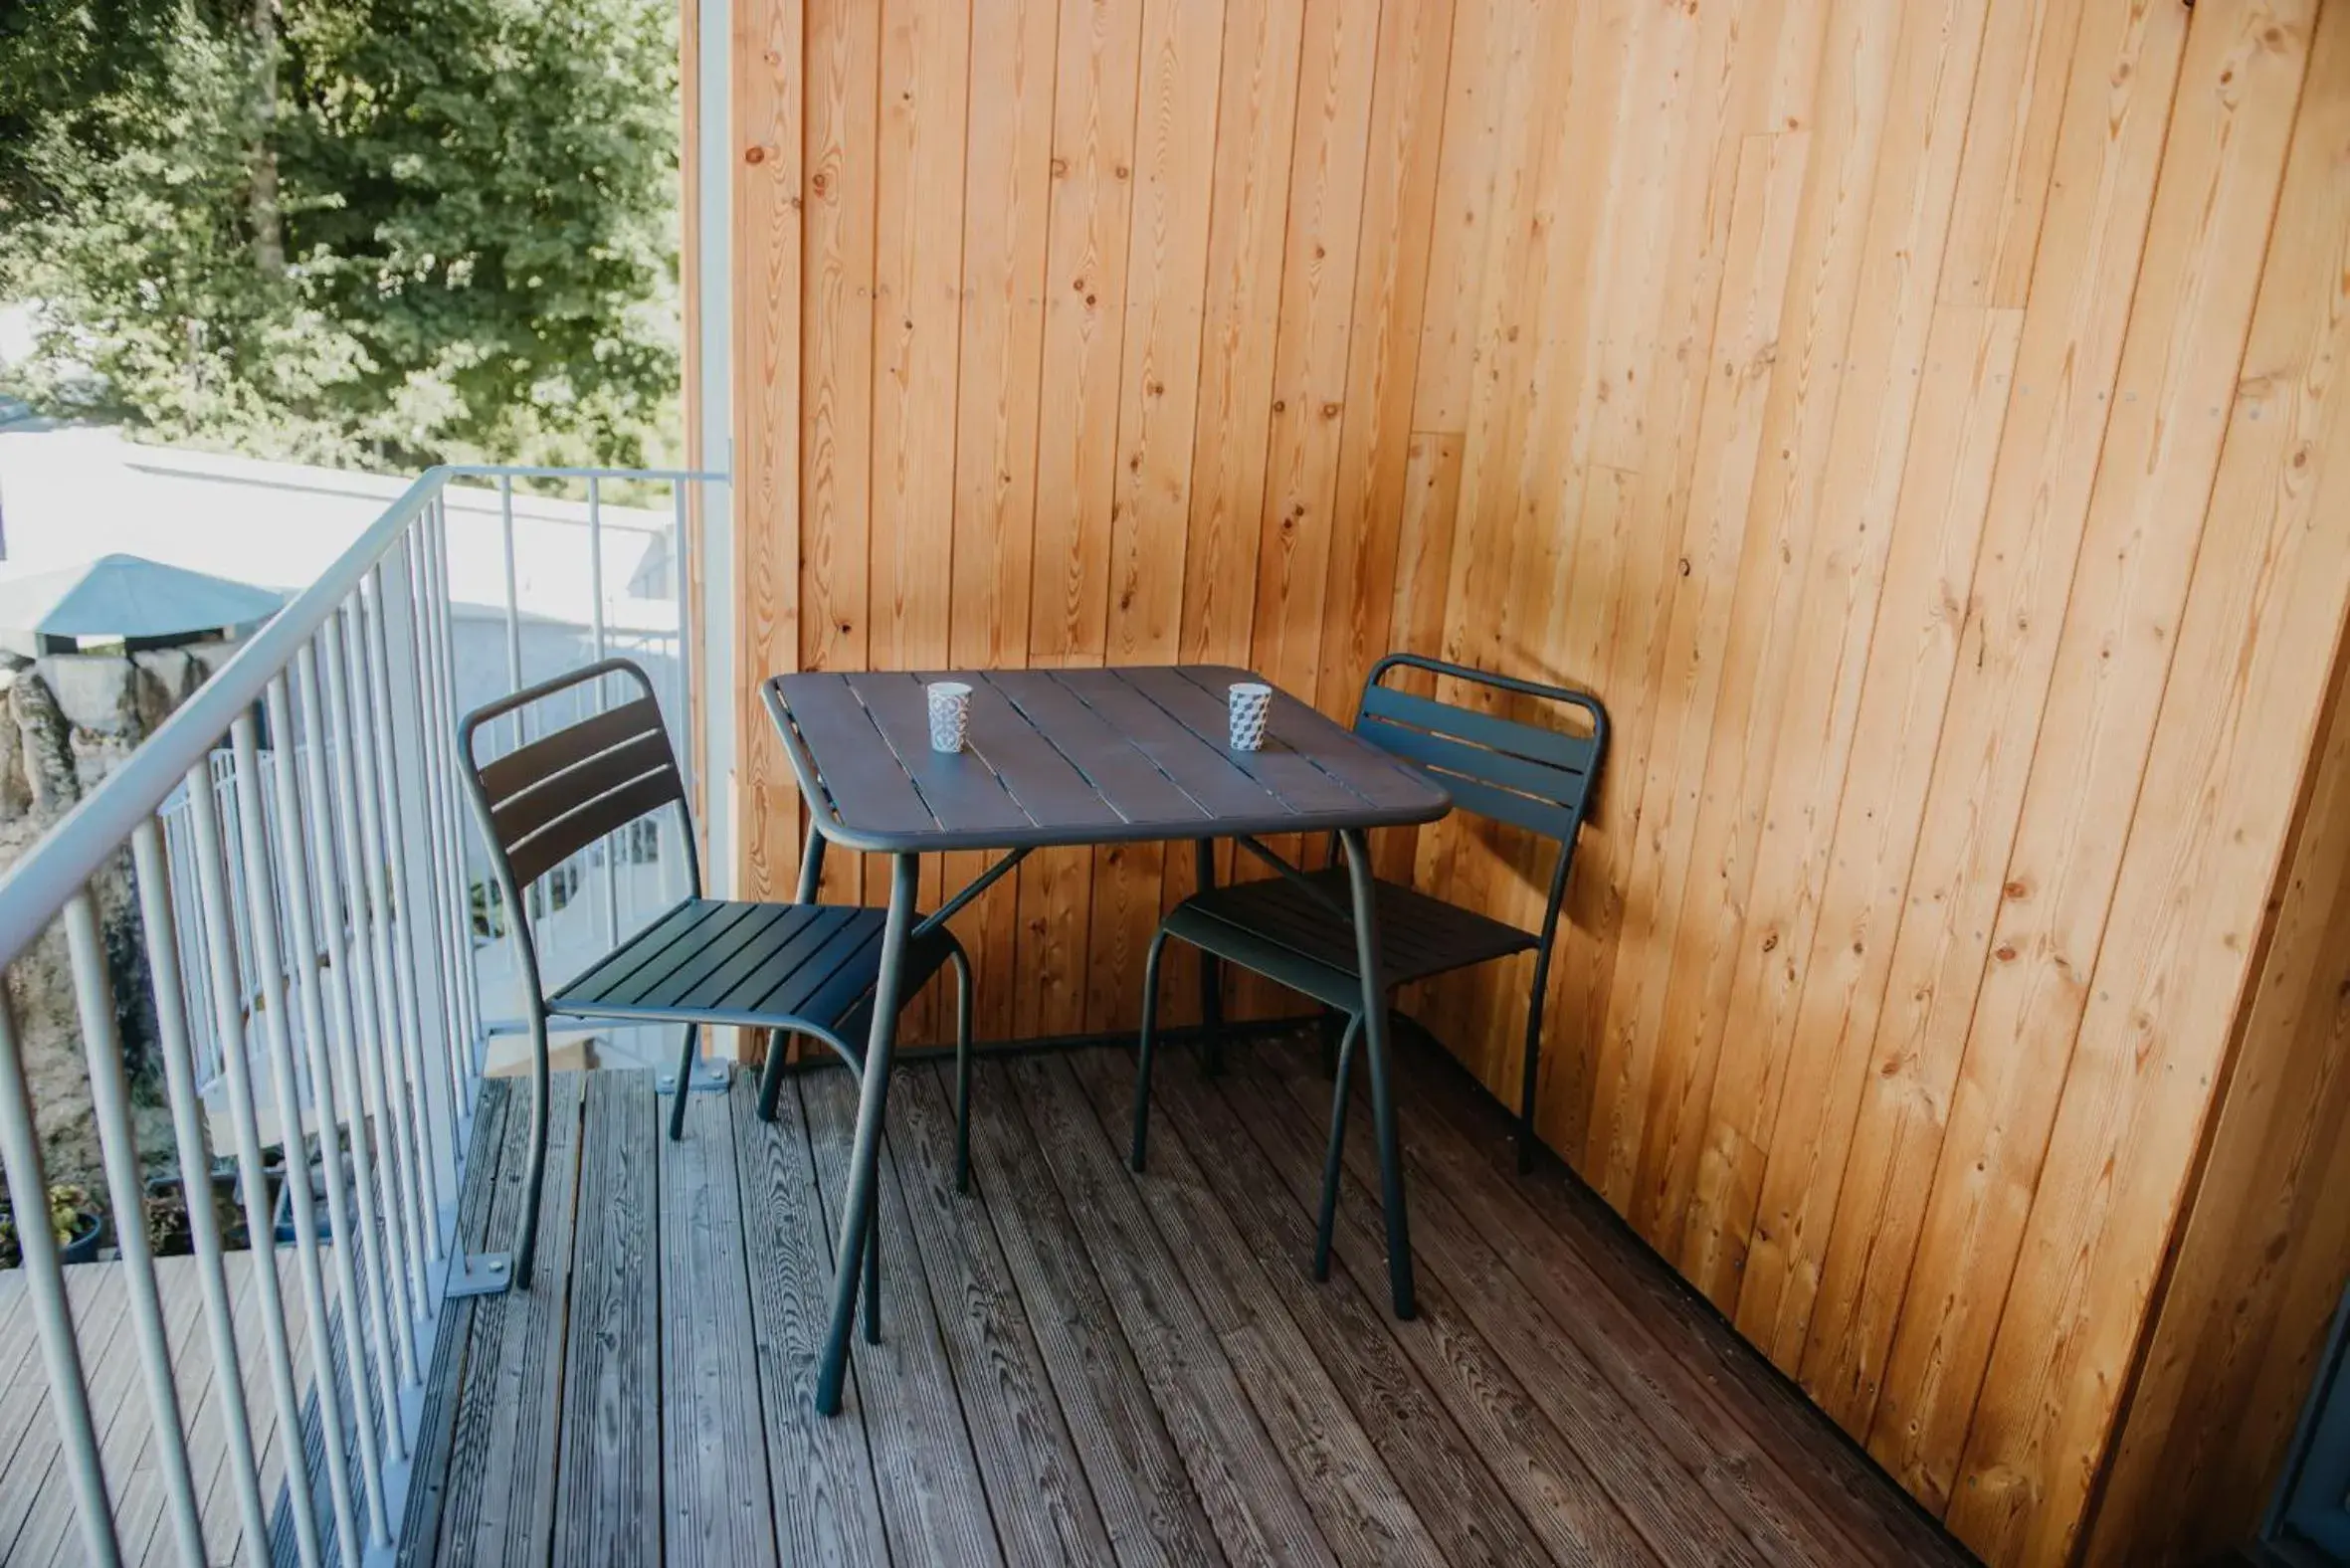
1250, 703
950, 714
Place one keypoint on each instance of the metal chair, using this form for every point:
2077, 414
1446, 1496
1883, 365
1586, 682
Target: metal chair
799, 968
1297, 929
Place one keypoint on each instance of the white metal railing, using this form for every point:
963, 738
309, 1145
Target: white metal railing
624, 884
310, 909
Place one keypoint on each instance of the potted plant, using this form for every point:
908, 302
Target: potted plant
77, 1223
169, 1234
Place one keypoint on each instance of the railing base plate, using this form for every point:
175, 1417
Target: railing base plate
709, 1077
484, 1274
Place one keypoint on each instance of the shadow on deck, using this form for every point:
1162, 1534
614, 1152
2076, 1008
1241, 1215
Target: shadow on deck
1084, 1366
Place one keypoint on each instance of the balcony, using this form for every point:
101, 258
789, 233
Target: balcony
1077, 1364
1920, 424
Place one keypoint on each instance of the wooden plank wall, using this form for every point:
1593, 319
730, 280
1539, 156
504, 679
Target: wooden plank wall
2264, 1252
1909, 415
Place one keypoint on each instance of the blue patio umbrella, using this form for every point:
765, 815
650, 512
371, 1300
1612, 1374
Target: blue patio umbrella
124, 597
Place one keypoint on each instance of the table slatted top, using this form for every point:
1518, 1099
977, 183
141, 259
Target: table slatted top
1078, 756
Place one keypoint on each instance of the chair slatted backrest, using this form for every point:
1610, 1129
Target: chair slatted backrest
1532, 777
545, 801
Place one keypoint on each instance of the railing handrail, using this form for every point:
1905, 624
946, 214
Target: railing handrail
77, 848
535, 470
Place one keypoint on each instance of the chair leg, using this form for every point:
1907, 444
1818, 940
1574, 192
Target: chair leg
962, 1069
1526, 1095
685, 1059
1335, 1158
1211, 974
873, 1277
527, 1237
1334, 1024
1150, 1029
1530, 1064
772, 1075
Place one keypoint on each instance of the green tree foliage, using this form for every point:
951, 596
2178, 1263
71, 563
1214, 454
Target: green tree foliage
390, 232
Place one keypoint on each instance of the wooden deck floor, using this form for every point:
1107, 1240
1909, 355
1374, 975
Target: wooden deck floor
1083, 1366
38, 1523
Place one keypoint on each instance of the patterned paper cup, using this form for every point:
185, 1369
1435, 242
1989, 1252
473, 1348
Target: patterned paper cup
1251, 703
950, 714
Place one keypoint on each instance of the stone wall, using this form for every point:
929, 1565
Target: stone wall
70, 720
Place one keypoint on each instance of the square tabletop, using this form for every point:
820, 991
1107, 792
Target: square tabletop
1078, 756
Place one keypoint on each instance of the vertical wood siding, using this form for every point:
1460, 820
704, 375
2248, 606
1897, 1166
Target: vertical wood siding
1916, 418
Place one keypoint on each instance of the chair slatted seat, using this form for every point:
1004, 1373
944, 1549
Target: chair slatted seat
1297, 929
788, 968
746, 964
1277, 921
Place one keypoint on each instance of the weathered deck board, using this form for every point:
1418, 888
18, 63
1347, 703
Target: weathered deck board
1544, 1474
1079, 1365
46, 1517
716, 1509
502, 1463
447, 1381
1016, 1427
1673, 1408
1234, 1464
1147, 1503
99, 1302
208, 1442
1360, 1502
1817, 1470
131, 1460
821, 1472
932, 1496
314, 1427
37, 1520
607, 1493
1663, 1503
1465, 1506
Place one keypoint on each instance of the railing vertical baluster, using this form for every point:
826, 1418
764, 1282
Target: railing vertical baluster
461, 906
611, 842
390, 829
421, 580
378, 797
514, 610
253, 1183
187, 921
373, 1028
271, 960
468, 979
520, 731
224, 794
69, 1395
684, 707
159, 899
337, 1057
109, 1096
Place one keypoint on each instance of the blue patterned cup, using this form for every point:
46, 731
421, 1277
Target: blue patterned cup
950, 714
1251, 703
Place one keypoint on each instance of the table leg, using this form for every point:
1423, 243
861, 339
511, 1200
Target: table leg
1211, 971
865, 1158
1374, 1022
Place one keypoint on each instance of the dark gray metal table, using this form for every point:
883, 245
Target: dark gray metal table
1061, 757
